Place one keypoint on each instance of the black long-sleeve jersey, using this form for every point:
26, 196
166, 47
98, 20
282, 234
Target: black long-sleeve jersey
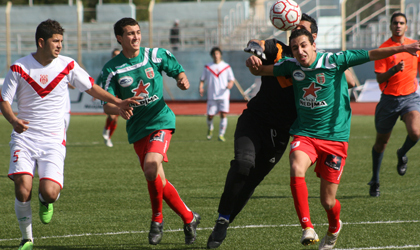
274, 104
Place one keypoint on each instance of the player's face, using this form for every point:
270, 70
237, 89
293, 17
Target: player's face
303, 50
217, 56
52, 47
131, 38
398, 26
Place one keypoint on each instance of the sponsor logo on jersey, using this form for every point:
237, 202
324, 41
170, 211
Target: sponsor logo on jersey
43, 79
309, 97
157, 136
333, 162
320, 78
146, 101
125, 81
149, 73
141, 89
299, 75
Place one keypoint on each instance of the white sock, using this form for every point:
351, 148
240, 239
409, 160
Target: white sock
223, 125
210, 124
24, 215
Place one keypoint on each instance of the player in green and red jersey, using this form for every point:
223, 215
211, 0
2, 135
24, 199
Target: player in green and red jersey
322, 127
137, 71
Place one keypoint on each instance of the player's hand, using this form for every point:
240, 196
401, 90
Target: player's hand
128, 103
201, 92
20, 125
126, 114
399, 67
253, 62
183, 83
255, 49
413, 48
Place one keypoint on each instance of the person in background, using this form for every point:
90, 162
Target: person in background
174, 36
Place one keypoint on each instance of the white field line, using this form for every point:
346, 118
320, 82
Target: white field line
241, 227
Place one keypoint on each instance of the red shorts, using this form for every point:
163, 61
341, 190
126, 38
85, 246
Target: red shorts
330, 156
156, 142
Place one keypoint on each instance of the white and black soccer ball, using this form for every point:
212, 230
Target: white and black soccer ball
285, 14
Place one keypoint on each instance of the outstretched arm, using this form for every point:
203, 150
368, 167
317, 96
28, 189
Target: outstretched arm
255, 66
381, 53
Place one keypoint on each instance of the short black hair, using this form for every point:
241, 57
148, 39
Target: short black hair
301, 32
398, 14
120, 24
47, 29
314, 25
214, 49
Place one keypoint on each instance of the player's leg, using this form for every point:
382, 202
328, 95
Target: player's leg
212, 110
223, 106
247, 143
411, 117
273, 147
51, 175
110, 126
386, 115
113, 125
302, 155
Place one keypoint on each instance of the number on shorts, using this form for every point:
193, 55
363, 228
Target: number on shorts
16, 155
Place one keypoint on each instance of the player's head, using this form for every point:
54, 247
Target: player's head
398, 24
308, 23
115, 52
303, 47
216, 54
49, 38
128, 34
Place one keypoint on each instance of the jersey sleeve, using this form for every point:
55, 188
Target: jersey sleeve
231, 76
283, 68
10, 85
380, 66
80, 78
168, 62
349, 58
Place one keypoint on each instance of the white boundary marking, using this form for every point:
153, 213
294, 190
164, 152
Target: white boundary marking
246, 226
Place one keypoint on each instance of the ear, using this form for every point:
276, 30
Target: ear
314, 35
314, 45
119, 38
41, 43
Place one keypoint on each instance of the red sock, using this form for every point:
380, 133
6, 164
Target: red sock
156, 192
112, 127
300, 197
171, 197
108, 123
334, 217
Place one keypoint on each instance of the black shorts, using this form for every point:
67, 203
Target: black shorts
391, 107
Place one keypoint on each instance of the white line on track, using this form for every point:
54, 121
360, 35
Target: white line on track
246, 226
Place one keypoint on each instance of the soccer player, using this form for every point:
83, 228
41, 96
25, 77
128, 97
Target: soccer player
396, 76
219, 78
40, 83
137, 71
321, 132
111, 120
262, 133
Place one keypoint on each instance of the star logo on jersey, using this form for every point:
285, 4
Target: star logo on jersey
43, 79
311, 90
333, 162
149, 73
141, 89
320, 78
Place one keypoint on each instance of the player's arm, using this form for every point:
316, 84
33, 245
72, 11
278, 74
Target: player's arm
71, 86
255, 66
19, 125
182, 81
383, 77
350, 79
201, 88
381, 53
230, 84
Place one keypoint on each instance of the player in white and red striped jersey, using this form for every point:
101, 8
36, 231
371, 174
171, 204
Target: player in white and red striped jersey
40, 83
220, 79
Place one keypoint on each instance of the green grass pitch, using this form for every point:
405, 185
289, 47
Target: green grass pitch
105, 203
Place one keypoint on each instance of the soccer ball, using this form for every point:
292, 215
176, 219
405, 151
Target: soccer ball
285, 14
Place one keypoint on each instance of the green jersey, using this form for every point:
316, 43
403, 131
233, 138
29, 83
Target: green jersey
321, 94
142, 76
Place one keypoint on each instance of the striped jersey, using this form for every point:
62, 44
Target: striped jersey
321, 94
217, 76
42, 94
142, 76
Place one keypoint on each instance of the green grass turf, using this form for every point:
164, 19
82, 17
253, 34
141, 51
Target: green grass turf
105, 203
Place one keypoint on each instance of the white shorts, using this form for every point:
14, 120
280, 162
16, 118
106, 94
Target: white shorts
26, 155
216, 106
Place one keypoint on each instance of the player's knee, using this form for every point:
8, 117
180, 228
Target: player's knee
242, 166
150, 170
